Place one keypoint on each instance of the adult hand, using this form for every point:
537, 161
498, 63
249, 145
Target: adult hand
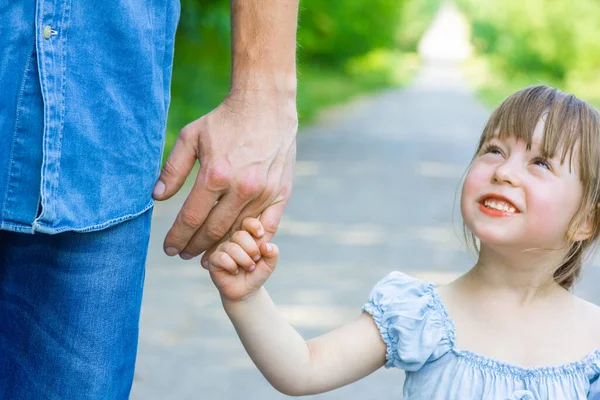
247, 151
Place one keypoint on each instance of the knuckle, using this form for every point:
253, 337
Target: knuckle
223, 259
220, 247
186, 133
244, 189
285, 190
269, 192
271, 188
169, 168
215, 232
248, 187
218, 177
229, 248
214, 258
262, 186
190, 219
238, 236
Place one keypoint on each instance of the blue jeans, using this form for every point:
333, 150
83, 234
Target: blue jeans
69, 312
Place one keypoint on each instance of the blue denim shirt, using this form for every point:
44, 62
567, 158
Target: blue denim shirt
83, 108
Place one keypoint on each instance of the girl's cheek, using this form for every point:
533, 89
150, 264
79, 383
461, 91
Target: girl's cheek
474, 181
470, 191
546, 210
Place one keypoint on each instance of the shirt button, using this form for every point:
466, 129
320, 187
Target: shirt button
47, 32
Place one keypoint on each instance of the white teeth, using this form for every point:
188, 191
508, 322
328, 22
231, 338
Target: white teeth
499, 205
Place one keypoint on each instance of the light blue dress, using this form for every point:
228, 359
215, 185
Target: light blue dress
420, 339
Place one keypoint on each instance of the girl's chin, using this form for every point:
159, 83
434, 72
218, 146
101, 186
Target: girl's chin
498, 238
512, 243
500, 243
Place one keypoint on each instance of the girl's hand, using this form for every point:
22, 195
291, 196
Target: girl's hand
242, 264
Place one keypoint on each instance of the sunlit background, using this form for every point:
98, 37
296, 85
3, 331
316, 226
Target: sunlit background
357, 46
392, 96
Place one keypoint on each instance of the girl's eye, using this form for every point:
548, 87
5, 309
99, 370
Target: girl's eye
542, 162
493, 149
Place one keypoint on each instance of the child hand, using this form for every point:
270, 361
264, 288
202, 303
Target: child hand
243, 263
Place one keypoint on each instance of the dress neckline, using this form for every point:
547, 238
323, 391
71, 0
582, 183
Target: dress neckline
580, 366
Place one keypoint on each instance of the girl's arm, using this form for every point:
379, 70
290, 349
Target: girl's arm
239, 267
297, 367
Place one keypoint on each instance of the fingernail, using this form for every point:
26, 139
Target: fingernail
260, 232
186, 256
159, 188
269, 247
252, 267
256, 257
237, 271
171, 251
205, 263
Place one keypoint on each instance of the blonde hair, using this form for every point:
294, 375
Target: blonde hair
569, 122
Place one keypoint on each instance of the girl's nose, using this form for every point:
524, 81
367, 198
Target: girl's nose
507, 172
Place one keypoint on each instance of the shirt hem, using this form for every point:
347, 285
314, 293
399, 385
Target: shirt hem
42, 228
17, 228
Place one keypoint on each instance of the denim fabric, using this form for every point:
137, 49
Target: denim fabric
69, 312
420, 338
85, 96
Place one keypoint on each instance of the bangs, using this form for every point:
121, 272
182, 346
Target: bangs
569, 122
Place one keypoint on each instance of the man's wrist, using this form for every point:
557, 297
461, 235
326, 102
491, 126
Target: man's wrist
264, 98
272, 84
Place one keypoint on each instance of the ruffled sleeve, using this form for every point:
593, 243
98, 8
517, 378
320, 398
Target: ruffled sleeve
412, 321
593, 372
521, 395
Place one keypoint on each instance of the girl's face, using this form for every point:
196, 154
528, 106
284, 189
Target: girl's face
513, 197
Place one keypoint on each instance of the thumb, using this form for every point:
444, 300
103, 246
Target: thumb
270, 255
176, 169
270, 219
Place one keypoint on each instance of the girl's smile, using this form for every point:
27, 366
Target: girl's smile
496, 205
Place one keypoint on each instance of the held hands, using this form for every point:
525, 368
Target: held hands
243, 263
247, 150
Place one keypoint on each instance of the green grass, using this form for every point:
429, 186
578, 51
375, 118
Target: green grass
198, 87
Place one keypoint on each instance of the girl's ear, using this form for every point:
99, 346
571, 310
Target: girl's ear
586, 230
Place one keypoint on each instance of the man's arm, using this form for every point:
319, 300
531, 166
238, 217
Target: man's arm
264, 47
247, 145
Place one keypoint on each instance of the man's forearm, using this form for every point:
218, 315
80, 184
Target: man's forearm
263, 34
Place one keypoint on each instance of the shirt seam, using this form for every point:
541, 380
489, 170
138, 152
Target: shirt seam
63, 45
45, 96
17, 121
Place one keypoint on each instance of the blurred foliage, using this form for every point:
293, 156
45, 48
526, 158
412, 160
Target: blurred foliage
552, 41
335, 31
345, 48
332, 31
